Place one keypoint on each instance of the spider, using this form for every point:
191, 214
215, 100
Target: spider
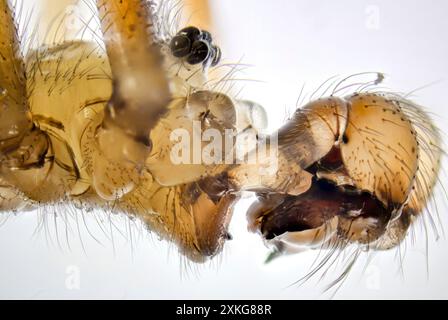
104, 126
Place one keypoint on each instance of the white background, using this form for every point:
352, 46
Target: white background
288, 43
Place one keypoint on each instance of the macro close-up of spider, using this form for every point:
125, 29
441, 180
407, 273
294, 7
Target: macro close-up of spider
181, 133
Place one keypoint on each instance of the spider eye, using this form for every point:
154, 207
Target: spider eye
196, 46
206, 36
216, 56
191, 33
200, 51
180, 46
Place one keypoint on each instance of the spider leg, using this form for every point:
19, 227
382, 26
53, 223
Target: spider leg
15, 120
141, 92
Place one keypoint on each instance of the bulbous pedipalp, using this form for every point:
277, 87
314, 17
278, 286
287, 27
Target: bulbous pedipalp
368, 161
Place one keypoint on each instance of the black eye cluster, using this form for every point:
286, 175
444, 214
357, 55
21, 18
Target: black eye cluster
196, 46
